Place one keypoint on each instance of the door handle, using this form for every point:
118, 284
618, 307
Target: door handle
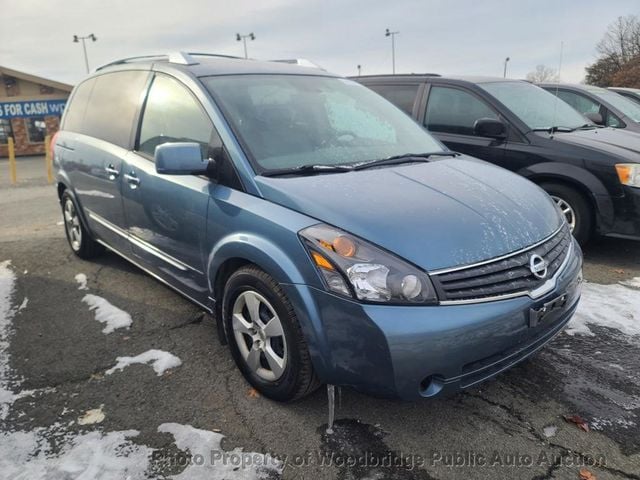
132, 179
113, 172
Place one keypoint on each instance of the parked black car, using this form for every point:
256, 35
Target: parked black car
630, 93
591, 172
599, 105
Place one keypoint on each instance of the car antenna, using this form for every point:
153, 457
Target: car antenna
555, 103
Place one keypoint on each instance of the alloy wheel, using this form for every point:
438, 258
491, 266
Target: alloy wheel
72, 225
567, 211
258, 332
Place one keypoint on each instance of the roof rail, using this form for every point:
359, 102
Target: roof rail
398, 75
303, 62
180, 58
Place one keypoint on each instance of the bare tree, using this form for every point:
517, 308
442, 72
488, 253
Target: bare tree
542, 73
621, 42
628, 75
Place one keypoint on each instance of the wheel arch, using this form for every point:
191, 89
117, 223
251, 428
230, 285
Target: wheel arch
240, 249
582, 181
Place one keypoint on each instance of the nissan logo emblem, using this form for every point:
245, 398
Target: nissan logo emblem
538, 266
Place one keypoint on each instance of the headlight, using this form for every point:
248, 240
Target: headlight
629, 174
352, 267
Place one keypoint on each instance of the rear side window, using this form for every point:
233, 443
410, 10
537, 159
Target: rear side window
451, 110
402, 96
74, 112
113, 105
172, 114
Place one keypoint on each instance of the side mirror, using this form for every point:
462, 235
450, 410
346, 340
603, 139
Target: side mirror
181, 158
489, 127
595, 117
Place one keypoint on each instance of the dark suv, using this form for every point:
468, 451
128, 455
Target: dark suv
632, 94
591, 172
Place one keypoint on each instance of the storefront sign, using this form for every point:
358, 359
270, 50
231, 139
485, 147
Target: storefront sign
36, 108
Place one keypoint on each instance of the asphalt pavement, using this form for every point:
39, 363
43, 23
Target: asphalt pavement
509, 428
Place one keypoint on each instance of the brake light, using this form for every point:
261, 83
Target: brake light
52, 145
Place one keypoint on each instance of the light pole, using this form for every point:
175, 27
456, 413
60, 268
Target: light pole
506, 60
250, 36
389, 33
77, 38
359, 70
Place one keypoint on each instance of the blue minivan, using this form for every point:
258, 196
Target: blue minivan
334, 240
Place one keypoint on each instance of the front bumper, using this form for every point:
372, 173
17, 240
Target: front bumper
626, 222
412, 352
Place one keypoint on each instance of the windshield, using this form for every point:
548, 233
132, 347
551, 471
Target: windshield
290, 121
536, 107
626, 106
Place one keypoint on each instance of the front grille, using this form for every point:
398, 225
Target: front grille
507, 276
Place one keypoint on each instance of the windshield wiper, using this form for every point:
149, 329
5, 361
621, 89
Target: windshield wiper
404, 158
307, 169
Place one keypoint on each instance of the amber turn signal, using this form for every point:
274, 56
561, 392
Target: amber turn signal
321, 262
624, 173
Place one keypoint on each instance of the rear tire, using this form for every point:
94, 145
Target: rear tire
575, 207
266, 340
80, 240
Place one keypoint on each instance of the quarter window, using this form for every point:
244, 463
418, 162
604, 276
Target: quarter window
402, 96
172, 114
613, 121
74, 112
452, 110
36, 129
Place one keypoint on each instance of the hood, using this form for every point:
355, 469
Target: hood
622, 143
436, 215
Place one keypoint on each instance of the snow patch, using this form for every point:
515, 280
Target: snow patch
93, 455
7, 288
614, 306
159, 359
24, 303
633, 283
108, 314
217, 464
90, 417
54, 453
550, 431
81, 278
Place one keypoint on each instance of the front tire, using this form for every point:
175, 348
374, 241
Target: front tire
575, 208
78, 237
265, 337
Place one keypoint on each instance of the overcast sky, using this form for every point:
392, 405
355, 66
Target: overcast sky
452, 37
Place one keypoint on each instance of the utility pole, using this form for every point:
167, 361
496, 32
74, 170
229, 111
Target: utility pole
250, 36
359, 70
506, 60
78, 38
389, 33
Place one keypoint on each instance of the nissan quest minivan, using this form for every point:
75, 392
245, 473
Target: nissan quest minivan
334, 240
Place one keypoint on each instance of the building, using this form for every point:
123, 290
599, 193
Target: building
30, 109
